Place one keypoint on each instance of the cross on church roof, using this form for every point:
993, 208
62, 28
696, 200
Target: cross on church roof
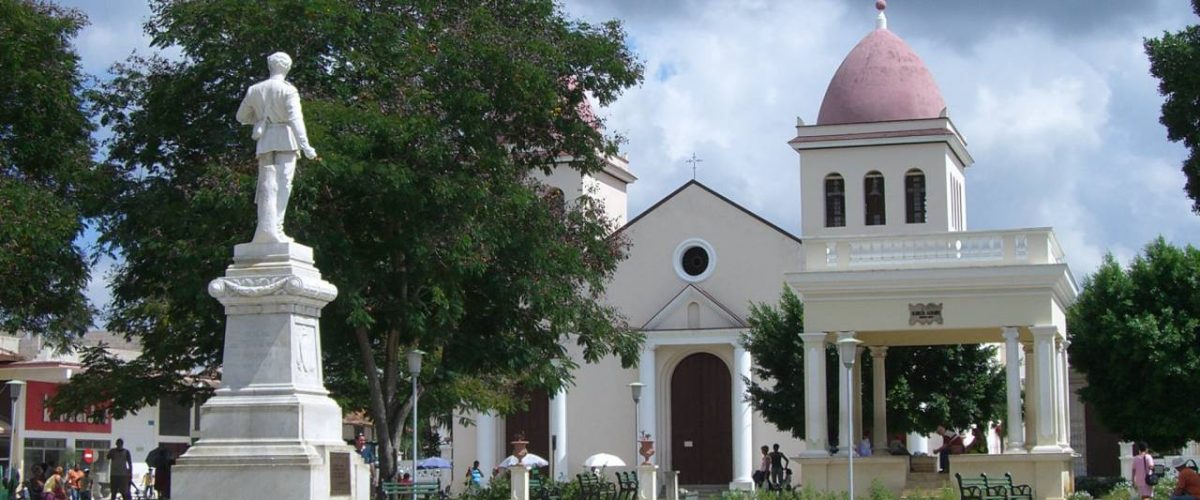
693, 160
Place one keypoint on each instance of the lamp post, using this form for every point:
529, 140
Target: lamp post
14, 393
636, 389
848, 352
414, 369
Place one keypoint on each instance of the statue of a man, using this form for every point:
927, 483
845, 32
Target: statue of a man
272, 106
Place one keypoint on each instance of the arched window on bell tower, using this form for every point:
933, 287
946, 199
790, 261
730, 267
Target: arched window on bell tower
875, 201
914, 196
835, 201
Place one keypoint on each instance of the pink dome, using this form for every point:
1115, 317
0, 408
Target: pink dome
882, 79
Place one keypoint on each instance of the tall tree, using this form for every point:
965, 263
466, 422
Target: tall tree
927, 386
45, 161
1135, 334
433, 119
1175, 62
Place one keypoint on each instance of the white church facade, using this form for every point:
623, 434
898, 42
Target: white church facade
884, 258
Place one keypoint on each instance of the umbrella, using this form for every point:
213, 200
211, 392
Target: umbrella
434, 463
603, 460
530, 460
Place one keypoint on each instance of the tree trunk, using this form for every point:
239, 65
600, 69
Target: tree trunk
379, 416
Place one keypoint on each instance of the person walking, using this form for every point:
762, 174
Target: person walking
121, 470
56, 486
764, 468
779, 462
161, 459
73, 477
85, 485
1143, 463
474, 476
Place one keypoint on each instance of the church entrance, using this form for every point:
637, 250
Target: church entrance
702, 420
533, 423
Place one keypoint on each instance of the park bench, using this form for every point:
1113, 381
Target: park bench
542, 489
593, 487
627, 485
985, 488
396, 491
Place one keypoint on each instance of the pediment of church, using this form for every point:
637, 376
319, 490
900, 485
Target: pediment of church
693, 309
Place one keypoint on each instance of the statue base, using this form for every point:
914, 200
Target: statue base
271, 428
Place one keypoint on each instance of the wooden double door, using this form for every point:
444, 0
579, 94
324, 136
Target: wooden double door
533, 423
702, 420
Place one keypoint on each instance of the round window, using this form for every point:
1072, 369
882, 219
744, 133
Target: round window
695, 261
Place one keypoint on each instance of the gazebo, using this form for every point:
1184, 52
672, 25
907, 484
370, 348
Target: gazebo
893, 266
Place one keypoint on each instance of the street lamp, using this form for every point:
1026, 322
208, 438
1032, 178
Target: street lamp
414, 369
636, 389
848, 351
14, 393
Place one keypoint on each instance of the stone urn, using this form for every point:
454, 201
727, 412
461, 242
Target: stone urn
519, 449
646, 451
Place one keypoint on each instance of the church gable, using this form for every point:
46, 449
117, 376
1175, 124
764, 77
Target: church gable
698, 249
693, 309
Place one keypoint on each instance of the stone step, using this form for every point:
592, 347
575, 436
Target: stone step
926, 481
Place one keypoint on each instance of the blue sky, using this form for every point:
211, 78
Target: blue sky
1053, 97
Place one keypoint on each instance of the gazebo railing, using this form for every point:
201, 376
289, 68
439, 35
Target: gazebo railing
967, 248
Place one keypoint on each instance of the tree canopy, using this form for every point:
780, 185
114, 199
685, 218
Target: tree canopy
45, 163
1135, 334
433, 119
927, 386
1175, 62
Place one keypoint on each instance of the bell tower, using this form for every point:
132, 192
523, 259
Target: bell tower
883, 157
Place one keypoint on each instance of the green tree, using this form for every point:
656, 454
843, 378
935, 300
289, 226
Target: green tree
1175, 62
45, 161
928, 386
433, 119
1135, 334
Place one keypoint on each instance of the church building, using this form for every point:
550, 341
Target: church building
884, 259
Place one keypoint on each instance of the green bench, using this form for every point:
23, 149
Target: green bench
985, 488
396, 491
627, 485
542, 489
593, 487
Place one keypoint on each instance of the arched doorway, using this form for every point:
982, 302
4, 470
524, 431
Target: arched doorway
701, 420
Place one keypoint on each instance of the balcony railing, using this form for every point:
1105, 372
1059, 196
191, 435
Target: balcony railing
974, 248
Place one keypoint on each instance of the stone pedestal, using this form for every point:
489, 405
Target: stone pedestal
271, 423
519, 482
647, 482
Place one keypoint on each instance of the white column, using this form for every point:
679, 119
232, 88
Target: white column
857, 397
646, 412
558, 434
879, 394
1064, 399
743, 446
1045, 391
1031, 416
1012, 370
485, 444
845, 379
18, 432
815, 427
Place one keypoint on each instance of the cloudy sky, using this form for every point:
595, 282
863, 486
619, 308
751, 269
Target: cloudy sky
1054, 98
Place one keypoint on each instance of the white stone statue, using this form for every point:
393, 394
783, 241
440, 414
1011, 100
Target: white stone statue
272, 106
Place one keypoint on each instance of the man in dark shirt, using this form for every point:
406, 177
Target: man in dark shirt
778, 463
121, 470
